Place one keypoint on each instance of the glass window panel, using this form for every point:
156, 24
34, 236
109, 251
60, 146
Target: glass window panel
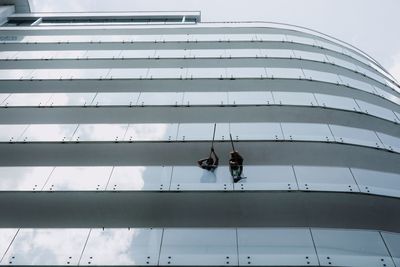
205, 98
49, 132
3, 97
243, 53
392, 241
4, 55
355, 136
301, 40
207, 53
294, 98
310, 55
350, 248
15, 74
280, 53
11, 132
147, 38
160, 98
127, 74
377, 111
338, 102
387, 95
246, 73
35, 55
276, 247
38, 99
71, 99
152, 132
100, 132
397, 115
324, 178
193, 73
271, 37
203, 131
390, 142
377, 182
342, 63
78, 179
176, 37
46, 247
186, 246
250, 98
70, 54
240, 37
6, 237
122, 247
23, 178
267, 178
357, 84
69, 74
307, 131
115, 98
137, 53
321, 76
256, 131
172, 53
371, 74
140, 178
327, 45
195, 178
167, 73
285, 73
108, 54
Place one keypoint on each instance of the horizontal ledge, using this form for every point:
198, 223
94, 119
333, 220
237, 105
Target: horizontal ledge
187, 153
199, 209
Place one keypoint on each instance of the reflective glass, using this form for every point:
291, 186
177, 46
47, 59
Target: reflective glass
160, 98
306, 131
176, 37
342, 63
166, 73
134, 246
127, 74
4, 55
172, 53
3, 97
46, 247
195, 178
377, 182
45, 74
78, 179
193, 73
152, 132
301, 40
392, 241
240, 37
357, 84
338, 102
23, 178
207, 53
203, 131
321, 76
16, 74
139, 178
324, 178
387, 95
310, 55
377, 111
267, 178
100, 132
186, 246
146, 38
107, 54
294, 98
6, 237
34, 55
355, 136
71, 99
276, 247
278, 53
39, 99
49, 132
285, 73
246, 73
250, 98
271, 37
390, 142
243, 53
70, 54
256, 131
115, 98
11, 132
205, 98
350, 248
137, 53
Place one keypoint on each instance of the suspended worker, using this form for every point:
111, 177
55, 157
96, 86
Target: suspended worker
235, 164
210, 163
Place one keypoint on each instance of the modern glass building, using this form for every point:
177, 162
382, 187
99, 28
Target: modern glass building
103, 117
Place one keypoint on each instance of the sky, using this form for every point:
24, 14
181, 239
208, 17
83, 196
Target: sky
371, 25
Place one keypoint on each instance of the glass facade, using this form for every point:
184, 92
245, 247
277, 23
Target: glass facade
114, 110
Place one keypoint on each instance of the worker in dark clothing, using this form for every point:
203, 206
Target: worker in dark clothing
210, 163
236, 166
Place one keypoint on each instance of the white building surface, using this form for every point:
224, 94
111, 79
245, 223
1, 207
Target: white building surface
103, 117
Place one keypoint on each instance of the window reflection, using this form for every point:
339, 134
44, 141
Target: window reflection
71, 99
294, 98
152, 132
377, 182
250, 98
23, 178
203, 131
100, 132
202, 98
355, 136
160, 98
49, 132
256, 131
115, 99
306, 131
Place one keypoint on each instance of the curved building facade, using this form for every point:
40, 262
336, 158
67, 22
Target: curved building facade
103, 117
